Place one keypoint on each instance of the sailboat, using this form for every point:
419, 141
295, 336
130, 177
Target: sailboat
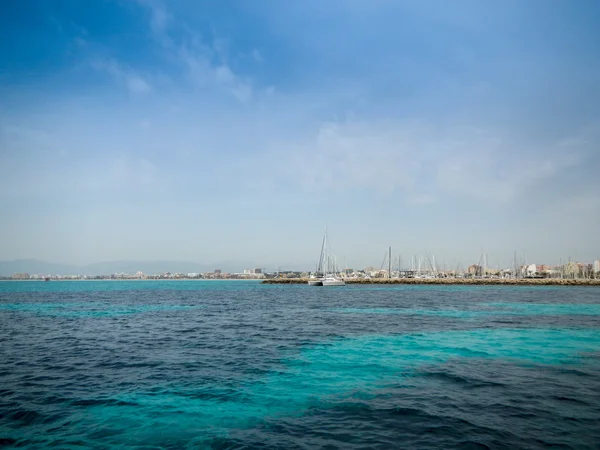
332, 278
314, 281
327, 265
317, 278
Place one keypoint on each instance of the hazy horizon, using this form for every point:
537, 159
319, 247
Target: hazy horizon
157, 130
424, 260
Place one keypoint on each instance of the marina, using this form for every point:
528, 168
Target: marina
449, 281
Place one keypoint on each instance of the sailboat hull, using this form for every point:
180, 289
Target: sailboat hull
315, 283
333, 282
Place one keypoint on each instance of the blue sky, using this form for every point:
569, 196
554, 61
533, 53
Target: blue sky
234, 131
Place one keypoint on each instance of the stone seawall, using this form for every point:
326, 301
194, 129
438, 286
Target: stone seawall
458, 281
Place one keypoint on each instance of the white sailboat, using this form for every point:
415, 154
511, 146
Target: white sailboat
333, 280
316, 279
328, 264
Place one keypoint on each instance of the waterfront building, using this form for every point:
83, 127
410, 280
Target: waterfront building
21, 276
475, 270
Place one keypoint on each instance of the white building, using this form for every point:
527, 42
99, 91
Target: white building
597, 266
531, 270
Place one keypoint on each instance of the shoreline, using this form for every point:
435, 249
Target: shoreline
360, 281
451, 281
136, 279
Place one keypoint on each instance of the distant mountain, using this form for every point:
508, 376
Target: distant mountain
33, 266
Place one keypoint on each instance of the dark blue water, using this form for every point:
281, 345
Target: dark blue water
193, 364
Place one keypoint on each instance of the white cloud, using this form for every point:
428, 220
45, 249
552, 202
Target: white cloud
137, 85
134, 172
224, 75
486, 166
352, 156
124, 175
80, 42
124, 76
257, 56
204, 73
159, 18
206, 63
422, 199
421, 163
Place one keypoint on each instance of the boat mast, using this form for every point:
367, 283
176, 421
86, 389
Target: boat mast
320, 268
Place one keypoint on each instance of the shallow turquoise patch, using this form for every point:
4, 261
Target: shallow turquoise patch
326, 374
521, 309
554, 309
455, 313
128, 285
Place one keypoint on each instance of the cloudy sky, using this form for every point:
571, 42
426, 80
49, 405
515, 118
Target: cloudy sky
211, 130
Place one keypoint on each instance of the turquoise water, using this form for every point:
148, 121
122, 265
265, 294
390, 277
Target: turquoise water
193, 364
486, 309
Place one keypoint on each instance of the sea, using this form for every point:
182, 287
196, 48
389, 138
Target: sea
240, 365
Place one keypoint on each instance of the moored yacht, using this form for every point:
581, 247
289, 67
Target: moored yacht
333, 280
327, 264
313, 281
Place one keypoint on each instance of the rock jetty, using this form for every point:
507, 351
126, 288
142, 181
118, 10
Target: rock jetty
457, 281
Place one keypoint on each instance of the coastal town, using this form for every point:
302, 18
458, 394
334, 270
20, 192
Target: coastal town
570, 270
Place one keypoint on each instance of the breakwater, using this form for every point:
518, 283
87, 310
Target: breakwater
446, 281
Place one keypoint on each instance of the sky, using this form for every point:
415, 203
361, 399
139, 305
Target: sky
237, 131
